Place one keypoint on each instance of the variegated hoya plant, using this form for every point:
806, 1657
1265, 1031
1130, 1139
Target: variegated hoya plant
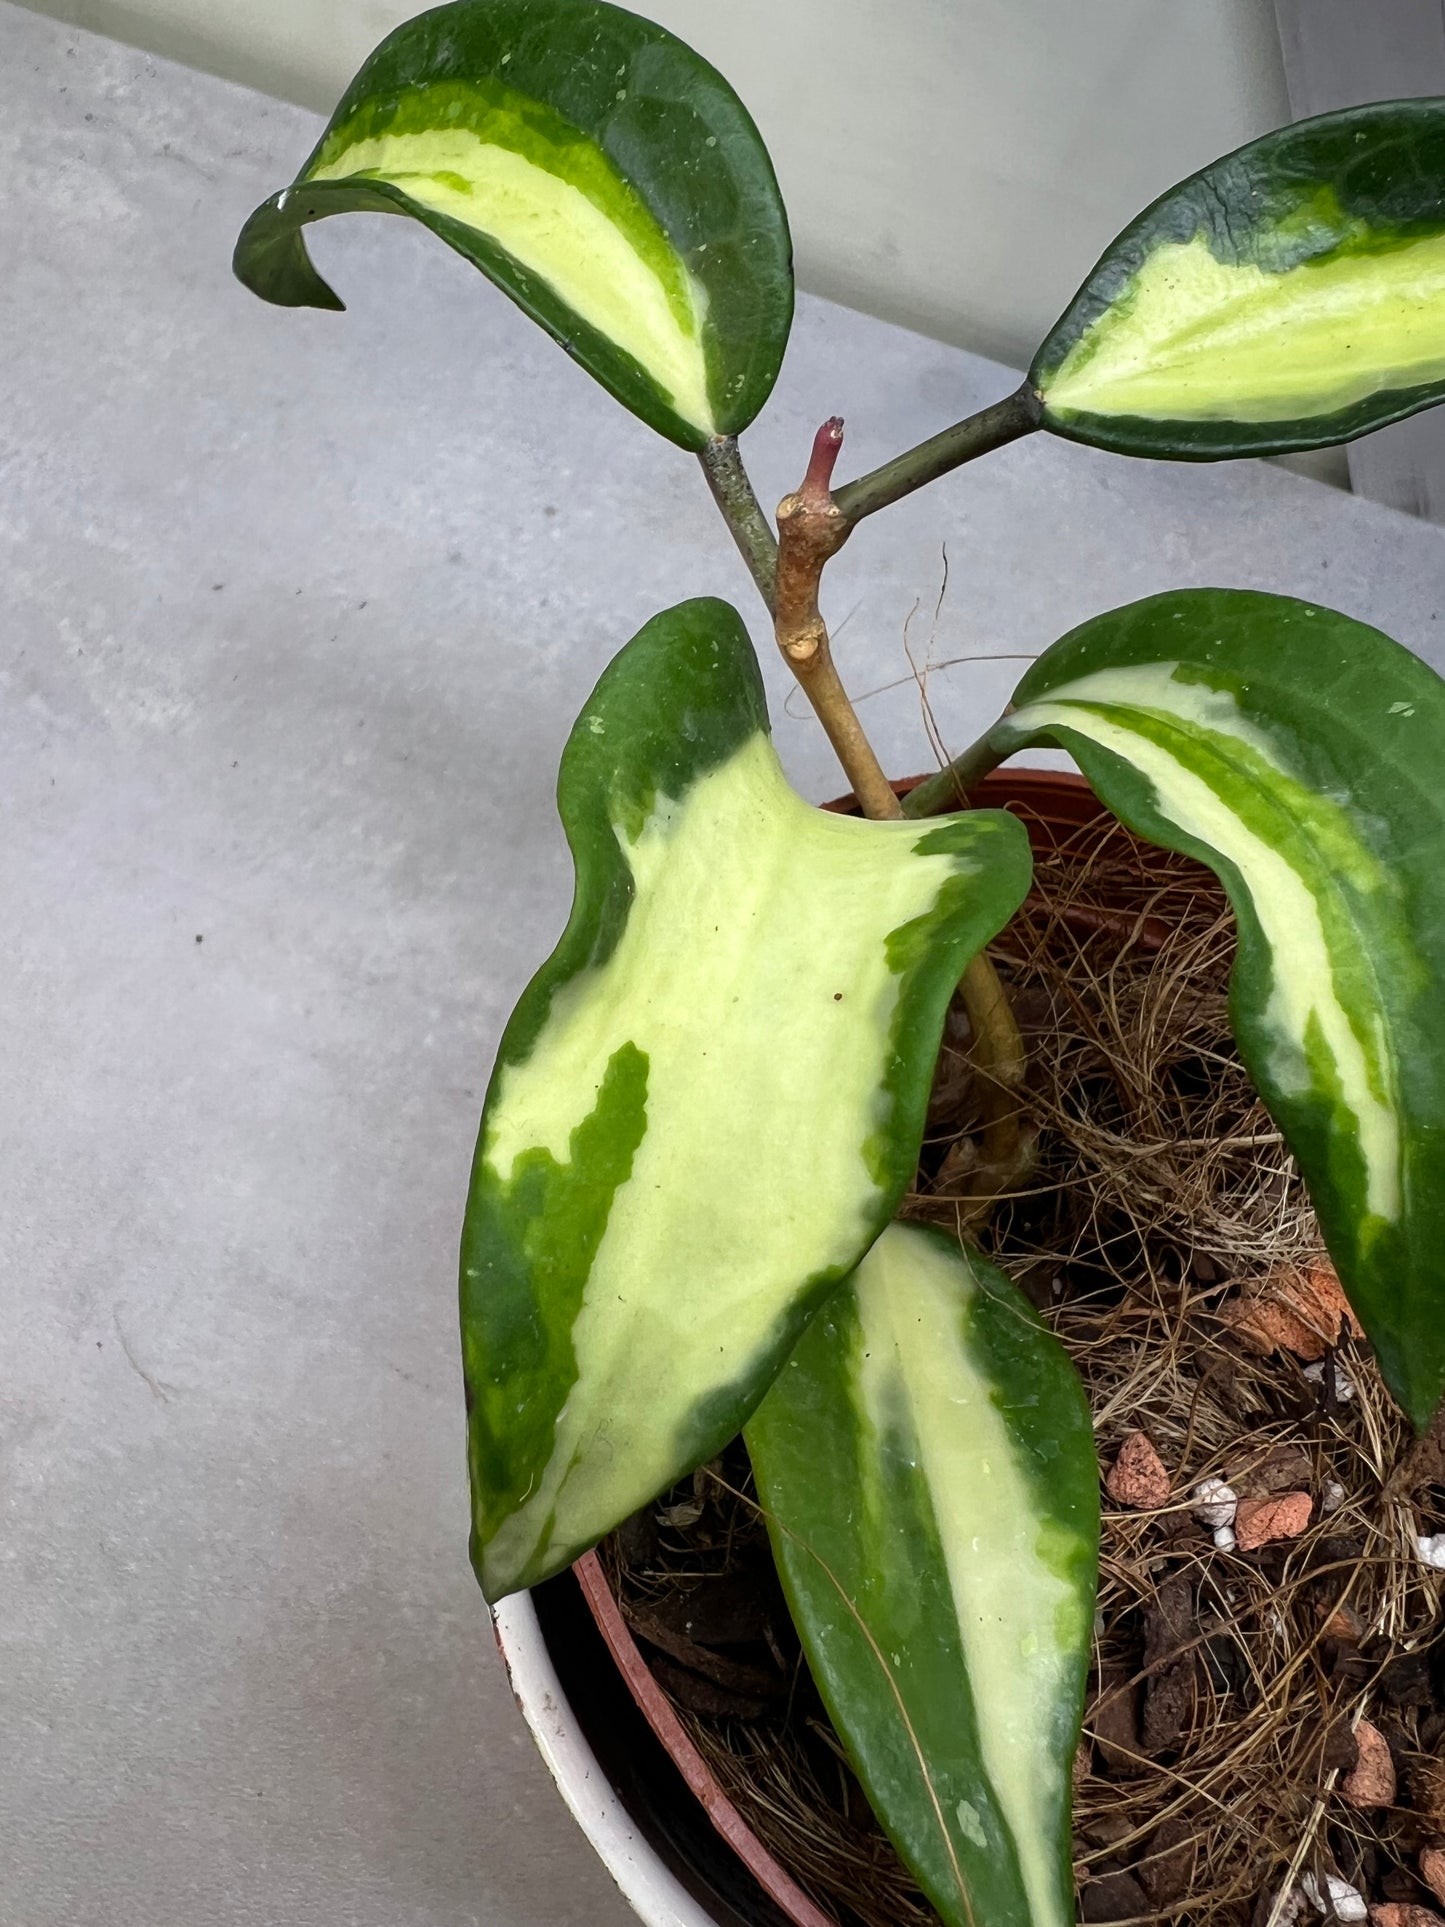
709, 1101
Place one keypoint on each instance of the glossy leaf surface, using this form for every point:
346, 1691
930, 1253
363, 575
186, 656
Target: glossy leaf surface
1289, 296
594, 167
1299, 754
926, 1458
709, 1100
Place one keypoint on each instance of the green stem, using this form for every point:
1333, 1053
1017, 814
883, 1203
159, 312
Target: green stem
949, 789
1017, 414
733, 493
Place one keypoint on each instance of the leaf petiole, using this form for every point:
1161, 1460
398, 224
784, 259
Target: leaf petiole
993, 427
948, 790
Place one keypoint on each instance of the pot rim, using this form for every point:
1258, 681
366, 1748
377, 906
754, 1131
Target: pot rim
657, 1710
649, 1887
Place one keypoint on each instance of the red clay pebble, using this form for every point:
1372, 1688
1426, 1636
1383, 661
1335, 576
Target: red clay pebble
1371, 1781
1344, 1623
1266, 1328
1432, 1870
1403, 1913
1258, 1521
1303, 1311
1317, 1299
1137, 1477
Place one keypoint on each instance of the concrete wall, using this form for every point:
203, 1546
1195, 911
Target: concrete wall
956, 165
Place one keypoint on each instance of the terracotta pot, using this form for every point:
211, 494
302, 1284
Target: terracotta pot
678, 1848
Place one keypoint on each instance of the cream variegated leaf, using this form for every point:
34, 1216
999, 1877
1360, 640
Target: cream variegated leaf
708, 1101
1288, 296
926, 1462
1298, 753
594, 167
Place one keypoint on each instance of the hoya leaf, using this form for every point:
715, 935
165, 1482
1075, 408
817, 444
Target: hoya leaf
708, 1101
926, 1461
594, 167
1298, 753
1289, 296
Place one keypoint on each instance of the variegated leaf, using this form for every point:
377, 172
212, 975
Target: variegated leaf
594, 167
1300, 755
926, 1460
708, 1101
1289, 296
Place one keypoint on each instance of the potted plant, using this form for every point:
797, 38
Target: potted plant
710, 1102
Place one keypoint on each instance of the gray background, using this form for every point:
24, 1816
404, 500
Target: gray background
297, 609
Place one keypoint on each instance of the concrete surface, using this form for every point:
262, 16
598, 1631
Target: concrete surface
297, 609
